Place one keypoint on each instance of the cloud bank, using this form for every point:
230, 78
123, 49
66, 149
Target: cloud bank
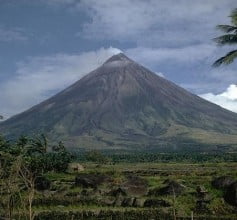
154, 23
227, 99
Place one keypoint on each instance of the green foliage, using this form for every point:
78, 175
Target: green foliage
234, 17
57, 162
227, 28
229, 38
97, 157
4, 144
143, 157
35, 155
106, 215
226, 39
75, 202
21, 164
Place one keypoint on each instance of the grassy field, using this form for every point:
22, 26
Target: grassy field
131, 190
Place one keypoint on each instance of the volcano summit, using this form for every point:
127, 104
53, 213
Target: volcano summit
123, 105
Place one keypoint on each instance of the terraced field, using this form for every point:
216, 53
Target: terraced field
131, 191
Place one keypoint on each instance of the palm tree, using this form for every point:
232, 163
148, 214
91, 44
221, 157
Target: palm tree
229, 38
40, 144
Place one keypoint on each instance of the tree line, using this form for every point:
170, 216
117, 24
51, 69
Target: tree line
103, 157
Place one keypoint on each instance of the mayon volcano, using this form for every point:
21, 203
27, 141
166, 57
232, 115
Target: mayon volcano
123, 105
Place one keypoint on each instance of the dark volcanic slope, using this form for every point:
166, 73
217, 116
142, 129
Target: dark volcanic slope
122, 104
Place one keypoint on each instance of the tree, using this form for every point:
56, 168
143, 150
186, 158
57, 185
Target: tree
40, 144
230, 38
23, 163
58, 148
40, 159
97, 157
28, 177
4, 144
9, 187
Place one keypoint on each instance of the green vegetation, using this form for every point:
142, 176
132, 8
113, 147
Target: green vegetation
155, 157
230, 38
22, 168
37, 183
96, 156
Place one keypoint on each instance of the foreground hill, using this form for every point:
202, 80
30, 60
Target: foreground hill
123, 105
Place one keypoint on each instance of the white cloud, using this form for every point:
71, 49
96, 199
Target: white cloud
189, 54
230, 93
227, 99
174, 38
40, 77
14, 34
154, 22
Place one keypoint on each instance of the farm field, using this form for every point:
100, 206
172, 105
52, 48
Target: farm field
137, 190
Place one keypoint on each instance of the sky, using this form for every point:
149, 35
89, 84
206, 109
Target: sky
46, 45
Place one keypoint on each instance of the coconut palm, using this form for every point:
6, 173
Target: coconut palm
40, 144
229, 38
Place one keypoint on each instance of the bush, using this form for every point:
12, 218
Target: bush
42, 183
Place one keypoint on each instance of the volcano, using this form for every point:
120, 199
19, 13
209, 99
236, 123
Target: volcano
123, 105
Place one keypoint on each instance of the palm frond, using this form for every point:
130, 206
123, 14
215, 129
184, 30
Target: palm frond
227, 28
227, 59
234, 16
226, 39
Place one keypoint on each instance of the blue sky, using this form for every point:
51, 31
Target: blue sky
45, 45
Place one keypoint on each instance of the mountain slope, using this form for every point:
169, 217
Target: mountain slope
124, 105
